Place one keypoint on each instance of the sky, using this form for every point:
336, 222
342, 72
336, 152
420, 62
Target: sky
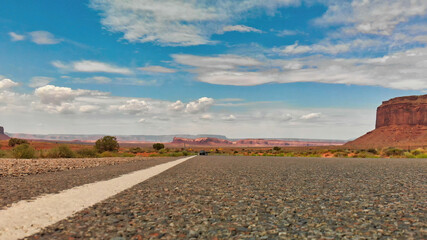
244, 69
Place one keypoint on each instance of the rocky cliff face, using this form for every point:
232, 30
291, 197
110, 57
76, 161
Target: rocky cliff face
411, 110
401, 122
2, 135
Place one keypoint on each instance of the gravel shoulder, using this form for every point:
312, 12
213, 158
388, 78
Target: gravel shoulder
16, 188
217, 197
23, 167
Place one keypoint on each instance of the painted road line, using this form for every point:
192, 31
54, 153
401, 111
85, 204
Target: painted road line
26, 218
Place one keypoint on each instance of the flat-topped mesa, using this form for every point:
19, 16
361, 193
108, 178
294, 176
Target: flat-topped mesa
1, 130
410, 110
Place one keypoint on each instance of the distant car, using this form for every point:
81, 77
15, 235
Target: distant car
203, 152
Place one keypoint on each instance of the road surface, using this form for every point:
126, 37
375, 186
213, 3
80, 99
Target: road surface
224, 197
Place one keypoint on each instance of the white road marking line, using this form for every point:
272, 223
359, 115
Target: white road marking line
26, 218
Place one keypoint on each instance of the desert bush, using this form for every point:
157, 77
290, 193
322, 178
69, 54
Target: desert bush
422, 155
127, 155
276, 148
158, 146
372, 150
135, 150
23, 151
108, 154
86, 153
417, 151
107, 143
341, 154
393, 152
409, 155
2, 153
62, 151
16, 141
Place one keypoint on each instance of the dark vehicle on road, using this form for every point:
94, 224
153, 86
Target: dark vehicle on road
203, 152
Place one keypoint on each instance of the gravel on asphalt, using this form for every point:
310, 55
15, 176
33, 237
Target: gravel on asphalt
23, 167
14, 189
218, 197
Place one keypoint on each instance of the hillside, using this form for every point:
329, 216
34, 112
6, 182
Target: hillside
401, 122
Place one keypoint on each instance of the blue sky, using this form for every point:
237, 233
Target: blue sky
280, 68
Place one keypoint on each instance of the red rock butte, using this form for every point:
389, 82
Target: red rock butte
2, 135
401, 122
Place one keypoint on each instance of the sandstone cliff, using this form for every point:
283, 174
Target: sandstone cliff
410, 110
401, 122
2, 135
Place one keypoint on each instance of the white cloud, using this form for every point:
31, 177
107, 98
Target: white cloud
239, 28
206, 116
218, 62
200, 105
285, 32
54, 95
311, 116
401, 70
43, 38
91, 66
230, 118
7, 83
142, 120
88, 108
101, 79
135, 106
157, 69
319, 48
175, 23
177, 106
373, 16
16, 37
40, 81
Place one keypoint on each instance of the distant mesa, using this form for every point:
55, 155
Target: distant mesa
210, 141
2, 135
401, 122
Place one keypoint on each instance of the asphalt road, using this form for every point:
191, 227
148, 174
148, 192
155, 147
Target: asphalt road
14, 189
218, 197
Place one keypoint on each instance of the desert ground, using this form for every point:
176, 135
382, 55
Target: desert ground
243, 197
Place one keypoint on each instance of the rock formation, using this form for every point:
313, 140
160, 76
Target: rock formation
401, 122
249, 142
410, 110
2, 135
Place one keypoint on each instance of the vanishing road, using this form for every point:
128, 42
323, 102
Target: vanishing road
224, 197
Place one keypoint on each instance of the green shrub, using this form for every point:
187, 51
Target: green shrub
341, 154
127, 155
87, 153
393, 152
417, 151
23, 151
409, 155
2, 153
107, 143
158, 146
185, 153
16, 141
108, 154
276, 148
62, 151
422, 155
136, 150
372, 150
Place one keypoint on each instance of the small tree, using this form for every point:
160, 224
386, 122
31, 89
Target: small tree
107, 143
276, 148
158, 146
16, 141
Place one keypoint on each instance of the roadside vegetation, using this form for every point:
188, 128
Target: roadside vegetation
109, 147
